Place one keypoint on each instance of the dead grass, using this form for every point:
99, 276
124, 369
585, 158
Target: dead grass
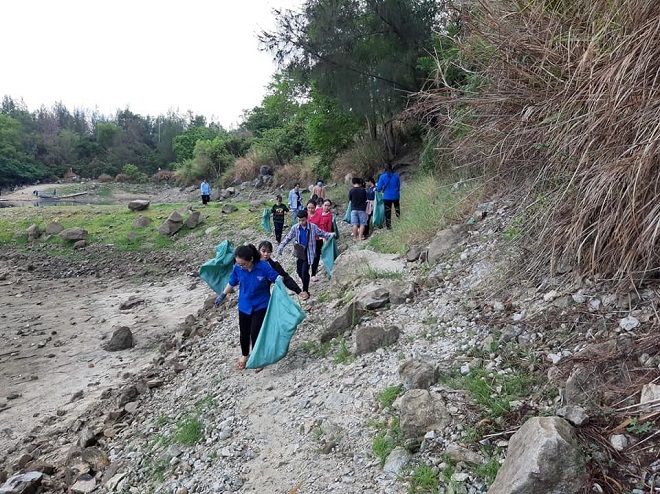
562, 99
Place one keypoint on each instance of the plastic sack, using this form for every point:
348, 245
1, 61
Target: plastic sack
347, 216
329, 253
282, 318
216, 272
335, 228
378, 218
265, 220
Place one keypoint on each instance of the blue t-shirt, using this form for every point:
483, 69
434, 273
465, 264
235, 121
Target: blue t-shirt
254, 291
390, 185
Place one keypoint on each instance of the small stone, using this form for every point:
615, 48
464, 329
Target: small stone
619, 442
628, 323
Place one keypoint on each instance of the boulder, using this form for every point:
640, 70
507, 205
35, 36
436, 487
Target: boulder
193, 220
141, 222
349, 317
413, 253
371, 338
443, 242
401, 291
229, 208
24, 483
373, 297
421, 412
543, 456
172, 224
80, 244
73, 234
53, 228
33, 232
139, 205
122, 338
352, 266
417, 374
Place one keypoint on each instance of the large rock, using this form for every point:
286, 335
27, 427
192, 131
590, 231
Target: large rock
371, 338
24, 483
543, 456
401, 291
139, 205
373, 297
172, 224
349, 317
73, 234
33, 232
53, 228
142, 222
417, 374
422, 412
121, 339
444, 242
229, 208
193, 220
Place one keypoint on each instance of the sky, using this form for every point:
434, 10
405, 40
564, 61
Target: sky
149, 56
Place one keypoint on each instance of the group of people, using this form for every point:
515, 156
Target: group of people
362, 196
255, 269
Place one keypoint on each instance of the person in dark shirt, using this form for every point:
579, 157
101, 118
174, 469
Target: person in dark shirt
371, 198
358, 197
278, 211
266, 250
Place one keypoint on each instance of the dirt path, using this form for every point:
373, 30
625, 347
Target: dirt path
53, 331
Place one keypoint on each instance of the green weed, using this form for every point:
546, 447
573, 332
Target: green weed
374, 274
488, 471
640, 429
424, 479
316, 349
388, 396
343, 356
189, 431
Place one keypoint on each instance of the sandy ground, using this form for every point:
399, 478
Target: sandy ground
52, 333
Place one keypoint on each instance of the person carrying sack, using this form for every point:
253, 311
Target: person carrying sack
304, 248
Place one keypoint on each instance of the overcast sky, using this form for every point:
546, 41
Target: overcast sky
147, 55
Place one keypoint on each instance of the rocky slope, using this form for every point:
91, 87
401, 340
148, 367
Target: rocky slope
444, 364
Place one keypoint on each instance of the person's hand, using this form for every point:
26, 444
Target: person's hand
219, 299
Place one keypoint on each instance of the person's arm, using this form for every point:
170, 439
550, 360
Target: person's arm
286, 240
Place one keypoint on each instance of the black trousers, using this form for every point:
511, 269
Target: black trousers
302, 268
250, 325
317, 257
278, 231
388, 211
205, 198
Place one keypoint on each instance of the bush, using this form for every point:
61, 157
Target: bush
246, 168
122, 178
104, 178
301, 171
365, 159
163, 175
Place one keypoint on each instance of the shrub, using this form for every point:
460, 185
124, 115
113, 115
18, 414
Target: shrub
163, 175
122, 178
246, 168
104, 178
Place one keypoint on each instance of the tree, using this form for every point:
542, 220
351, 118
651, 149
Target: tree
361, 54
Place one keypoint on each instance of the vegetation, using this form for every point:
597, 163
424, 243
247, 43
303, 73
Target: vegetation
424, 479
387, 396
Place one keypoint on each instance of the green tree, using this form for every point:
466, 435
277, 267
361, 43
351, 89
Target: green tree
361, 54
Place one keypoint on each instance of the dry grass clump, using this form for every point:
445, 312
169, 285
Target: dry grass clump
246, 169
366, 158
297, 171
563, 96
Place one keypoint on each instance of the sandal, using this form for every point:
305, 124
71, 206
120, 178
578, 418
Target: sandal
241, 363
304, 295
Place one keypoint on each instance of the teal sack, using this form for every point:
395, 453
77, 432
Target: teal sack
347, 216
378, 217
282, 318
329, 253
216, 272
335, 228
265, 220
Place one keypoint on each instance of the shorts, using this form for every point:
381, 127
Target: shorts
358, 218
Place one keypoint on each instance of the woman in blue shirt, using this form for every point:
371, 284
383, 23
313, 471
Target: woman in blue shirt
390, 185
254, 277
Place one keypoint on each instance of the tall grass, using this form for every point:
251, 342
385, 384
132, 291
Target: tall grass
565, 110
428, 204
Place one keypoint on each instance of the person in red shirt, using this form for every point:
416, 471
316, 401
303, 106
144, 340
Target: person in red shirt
323, 219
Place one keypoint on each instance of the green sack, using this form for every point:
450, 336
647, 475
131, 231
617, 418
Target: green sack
347, 216
265, 220
335, 228
216, 272
282, 318
329, 253
378, 218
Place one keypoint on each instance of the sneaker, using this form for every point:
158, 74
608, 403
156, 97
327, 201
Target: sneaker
314, 278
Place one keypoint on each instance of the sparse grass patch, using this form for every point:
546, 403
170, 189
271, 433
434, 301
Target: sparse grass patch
388, 396
373, 274
189, 431
388, 437
488, 471
343, 356
424, 479
427, 206
316, 349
